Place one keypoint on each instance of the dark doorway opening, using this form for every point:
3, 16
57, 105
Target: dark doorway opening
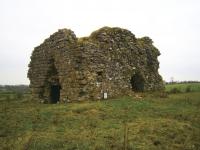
55, 93
137, 82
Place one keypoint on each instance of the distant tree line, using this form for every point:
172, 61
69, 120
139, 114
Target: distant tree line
14, 88
181, 82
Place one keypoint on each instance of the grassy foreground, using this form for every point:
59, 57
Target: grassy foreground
125, 123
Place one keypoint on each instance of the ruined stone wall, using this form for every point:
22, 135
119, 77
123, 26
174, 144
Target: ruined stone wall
51, 63
110, 60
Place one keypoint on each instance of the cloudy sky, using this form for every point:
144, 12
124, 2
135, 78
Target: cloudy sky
174, 26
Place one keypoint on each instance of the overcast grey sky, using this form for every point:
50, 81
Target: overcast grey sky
174, 26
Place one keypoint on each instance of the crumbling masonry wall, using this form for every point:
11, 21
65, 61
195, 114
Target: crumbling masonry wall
110, 60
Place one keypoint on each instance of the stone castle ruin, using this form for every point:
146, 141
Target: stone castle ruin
109, 63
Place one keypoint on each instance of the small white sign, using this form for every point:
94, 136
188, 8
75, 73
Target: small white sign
105, 95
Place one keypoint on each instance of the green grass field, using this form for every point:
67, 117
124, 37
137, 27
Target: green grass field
182, 87
148, 123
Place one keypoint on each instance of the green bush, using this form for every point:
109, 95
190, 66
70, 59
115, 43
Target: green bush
175, 90
188, 89
19, 95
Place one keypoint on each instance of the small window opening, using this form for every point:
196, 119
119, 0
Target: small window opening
99, 76
100, 73
82, 93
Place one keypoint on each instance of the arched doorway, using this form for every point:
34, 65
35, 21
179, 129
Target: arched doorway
53, 83
55, 93
137, 82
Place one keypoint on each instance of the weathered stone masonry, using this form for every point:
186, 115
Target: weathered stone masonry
110, 60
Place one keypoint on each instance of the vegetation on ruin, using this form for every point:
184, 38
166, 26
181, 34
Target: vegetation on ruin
147, 121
